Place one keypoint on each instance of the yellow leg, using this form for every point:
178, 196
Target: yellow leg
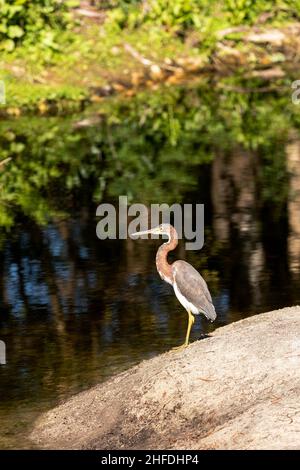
186, 343
190, 324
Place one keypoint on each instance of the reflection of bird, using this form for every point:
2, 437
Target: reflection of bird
190, 288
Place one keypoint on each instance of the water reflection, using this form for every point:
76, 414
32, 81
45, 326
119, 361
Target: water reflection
293, 165
236, 215
75, 310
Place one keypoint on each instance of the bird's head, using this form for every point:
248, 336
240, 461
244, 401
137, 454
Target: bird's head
162, 229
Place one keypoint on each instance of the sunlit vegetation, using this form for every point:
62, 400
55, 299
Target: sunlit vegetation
49, 52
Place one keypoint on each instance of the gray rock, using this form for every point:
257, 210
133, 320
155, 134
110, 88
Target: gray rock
239, 389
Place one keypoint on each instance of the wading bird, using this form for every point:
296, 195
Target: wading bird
189, 286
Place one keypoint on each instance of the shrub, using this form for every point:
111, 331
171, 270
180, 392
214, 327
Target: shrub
32, 21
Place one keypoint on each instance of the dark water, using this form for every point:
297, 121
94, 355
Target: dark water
76, 310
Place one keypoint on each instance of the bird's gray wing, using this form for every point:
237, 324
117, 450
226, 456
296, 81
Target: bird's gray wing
194, 288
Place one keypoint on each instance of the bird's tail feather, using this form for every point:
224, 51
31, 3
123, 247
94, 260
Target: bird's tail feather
210, 312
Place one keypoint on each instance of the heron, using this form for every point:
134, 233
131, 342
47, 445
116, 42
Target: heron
189, 286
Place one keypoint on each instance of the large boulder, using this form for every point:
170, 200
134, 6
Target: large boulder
238, 389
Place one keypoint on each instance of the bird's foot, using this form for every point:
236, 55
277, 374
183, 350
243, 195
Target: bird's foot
179, 348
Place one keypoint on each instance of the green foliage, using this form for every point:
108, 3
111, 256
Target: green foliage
202, 14
45, 154
31, 21
248, 11
39, 38
149, 147
51, 98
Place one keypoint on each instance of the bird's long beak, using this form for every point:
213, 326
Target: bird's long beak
144, 232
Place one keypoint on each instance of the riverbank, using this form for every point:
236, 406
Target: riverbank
106, 55
237, 389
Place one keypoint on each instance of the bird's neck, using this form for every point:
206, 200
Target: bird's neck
163, 267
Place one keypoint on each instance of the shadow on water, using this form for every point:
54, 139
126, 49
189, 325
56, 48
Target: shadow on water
76, 310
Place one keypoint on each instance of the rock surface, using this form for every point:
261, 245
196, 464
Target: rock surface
238, 389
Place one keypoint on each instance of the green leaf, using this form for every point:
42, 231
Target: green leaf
7, 45
15, 31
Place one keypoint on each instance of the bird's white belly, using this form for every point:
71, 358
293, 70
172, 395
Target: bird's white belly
186, 304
